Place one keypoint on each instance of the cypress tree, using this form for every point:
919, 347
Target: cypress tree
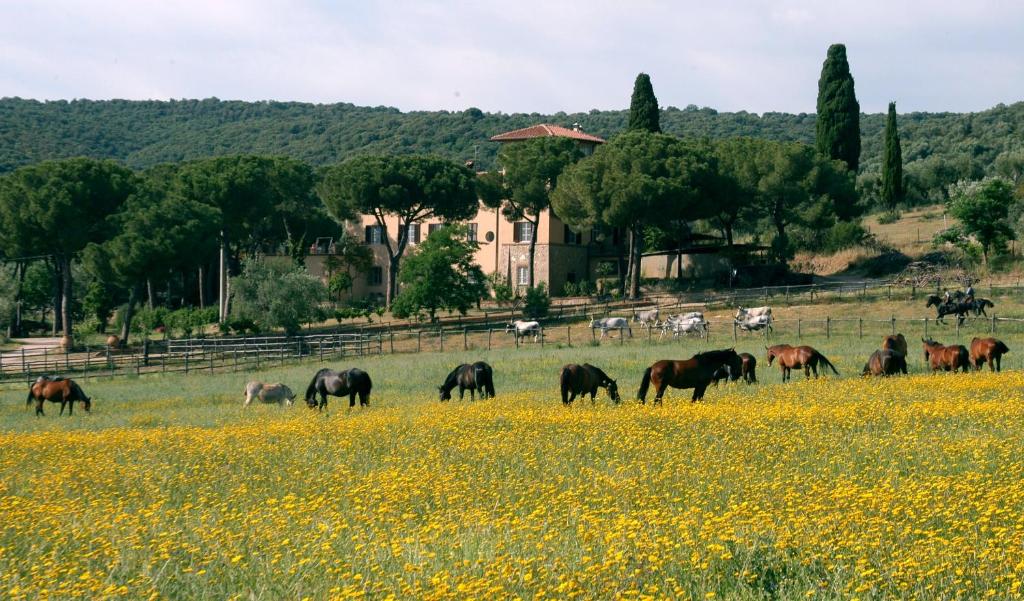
643, 107
838, 123
892, 162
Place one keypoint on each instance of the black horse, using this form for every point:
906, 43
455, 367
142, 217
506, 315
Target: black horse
586, 379
979, 305
478, 376
956, 307
339, 383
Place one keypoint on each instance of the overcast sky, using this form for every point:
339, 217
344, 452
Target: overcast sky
515, 55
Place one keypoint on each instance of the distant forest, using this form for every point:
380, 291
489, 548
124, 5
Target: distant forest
938, 148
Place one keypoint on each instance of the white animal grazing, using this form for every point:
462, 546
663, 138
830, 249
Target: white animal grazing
647, 317
690, 323
268, 393
521, 329
743, 314
755, 323
611, 323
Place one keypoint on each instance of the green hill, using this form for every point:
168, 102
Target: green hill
143, 133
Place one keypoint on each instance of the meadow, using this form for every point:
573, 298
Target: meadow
836, 488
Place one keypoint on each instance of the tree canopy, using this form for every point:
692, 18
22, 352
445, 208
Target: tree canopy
892, 163
441, 275
837, 129
644, 113
410, 188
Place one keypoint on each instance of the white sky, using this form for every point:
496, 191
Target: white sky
515, 55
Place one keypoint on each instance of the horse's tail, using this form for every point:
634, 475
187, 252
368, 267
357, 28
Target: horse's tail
825, 360
564, 381
641, 394
31, 396
311, 389
485, 379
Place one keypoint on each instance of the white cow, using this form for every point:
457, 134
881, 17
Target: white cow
268, 393
744, 314
611, 323
754, 323
690, 323
647, 317
521, 329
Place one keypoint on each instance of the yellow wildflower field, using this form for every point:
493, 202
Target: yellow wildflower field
832, 489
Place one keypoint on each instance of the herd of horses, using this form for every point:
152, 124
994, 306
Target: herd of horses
698, 372
959, 305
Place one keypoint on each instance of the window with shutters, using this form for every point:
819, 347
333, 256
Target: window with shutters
522, 231
471, 232
414, 233
433, 227
375, 234
523, 275
376, 276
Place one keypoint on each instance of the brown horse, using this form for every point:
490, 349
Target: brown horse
990, 350
896, 342
946, 358
585, 379
795, 357
746, 369
885, 362
57, 390
695, 372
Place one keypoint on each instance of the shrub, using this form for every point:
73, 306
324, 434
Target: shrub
570, 289
889, 217
844, 234
275, 295
536, 302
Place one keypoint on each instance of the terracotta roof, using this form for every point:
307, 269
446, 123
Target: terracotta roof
544, 129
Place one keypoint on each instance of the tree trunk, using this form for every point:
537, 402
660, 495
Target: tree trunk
392, 287
66, 298
14, 329
533, 247
149, 294
202, 297
58, 295
629, 266
728, 234
635, 245
129, 313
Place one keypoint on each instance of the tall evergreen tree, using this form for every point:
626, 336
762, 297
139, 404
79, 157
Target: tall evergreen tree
643, 107
838, 122
892, 162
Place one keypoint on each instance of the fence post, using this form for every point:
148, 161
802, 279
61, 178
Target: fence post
542, 337
593, 336
488, 338
440, 337
828, 326
465, 339
391, 340
621, 337
87, 361
787, 295
766, 294
892, 324
860, 326
993, 329
419, 340
925, 327
958, 327
799, 333
515, 334
568, 335
734, 331
888, 293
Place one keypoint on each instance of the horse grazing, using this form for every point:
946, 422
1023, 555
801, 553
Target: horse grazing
339, 383
268, 393
885, 362
611, 323
583, 379
946, 358
795, 357
478, 376
57, 390
521, 329
989, 350
895, 342
695, 372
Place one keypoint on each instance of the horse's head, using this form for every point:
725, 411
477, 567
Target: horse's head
445, 395
613, 390
510, 327
592, 324
771, 354
87, 403
289, 396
